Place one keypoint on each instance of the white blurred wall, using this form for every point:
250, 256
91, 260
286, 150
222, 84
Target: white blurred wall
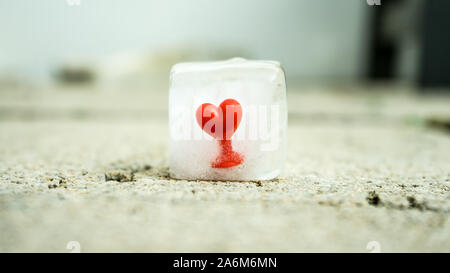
316, 39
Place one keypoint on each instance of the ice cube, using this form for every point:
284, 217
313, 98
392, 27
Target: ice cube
228, 120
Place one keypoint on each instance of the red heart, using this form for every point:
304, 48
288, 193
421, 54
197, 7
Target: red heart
220, 122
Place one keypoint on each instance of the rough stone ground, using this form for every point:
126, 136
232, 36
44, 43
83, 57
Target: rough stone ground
362, 166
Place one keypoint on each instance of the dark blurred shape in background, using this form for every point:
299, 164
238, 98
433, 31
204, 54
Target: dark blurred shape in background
408, 41
386, 38
435, 61
75, 74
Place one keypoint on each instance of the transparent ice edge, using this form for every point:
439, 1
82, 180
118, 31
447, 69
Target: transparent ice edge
230, 63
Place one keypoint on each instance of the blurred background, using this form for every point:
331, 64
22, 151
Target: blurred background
99, 51
110, 59
111, 42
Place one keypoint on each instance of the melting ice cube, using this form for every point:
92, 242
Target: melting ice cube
228, 120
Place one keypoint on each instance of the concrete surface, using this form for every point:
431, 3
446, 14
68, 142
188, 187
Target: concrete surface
362, 166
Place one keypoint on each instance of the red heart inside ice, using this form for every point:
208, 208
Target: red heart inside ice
220, 122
